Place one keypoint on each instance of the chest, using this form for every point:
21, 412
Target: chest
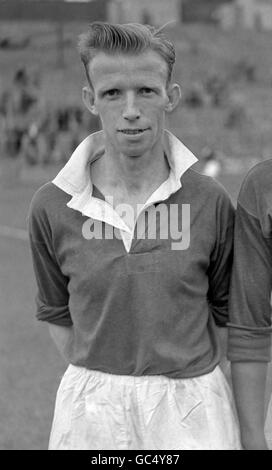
103, 249
127, 206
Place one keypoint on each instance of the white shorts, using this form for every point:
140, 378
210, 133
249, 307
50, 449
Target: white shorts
268, 425
98, 411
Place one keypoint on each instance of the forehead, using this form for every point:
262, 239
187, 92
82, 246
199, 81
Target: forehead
148, 65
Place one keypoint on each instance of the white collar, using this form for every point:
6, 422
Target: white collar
74, 178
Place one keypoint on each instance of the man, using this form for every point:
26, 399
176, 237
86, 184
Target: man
133, 270
250, 307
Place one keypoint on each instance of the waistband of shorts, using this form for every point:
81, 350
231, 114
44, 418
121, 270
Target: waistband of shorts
134, 379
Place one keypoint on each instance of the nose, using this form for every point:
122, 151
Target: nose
131, 111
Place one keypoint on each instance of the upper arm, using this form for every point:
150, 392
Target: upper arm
251, 284
252, 272
219, 270
52, 297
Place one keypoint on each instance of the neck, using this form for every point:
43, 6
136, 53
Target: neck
131, 174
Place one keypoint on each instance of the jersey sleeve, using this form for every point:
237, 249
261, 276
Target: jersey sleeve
52, 297
250, 294
221, 261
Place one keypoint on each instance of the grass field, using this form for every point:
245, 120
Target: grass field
30, 367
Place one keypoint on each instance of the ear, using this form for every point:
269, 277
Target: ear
88, 100
174, 95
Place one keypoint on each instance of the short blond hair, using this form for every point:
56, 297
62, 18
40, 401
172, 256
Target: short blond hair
132, 38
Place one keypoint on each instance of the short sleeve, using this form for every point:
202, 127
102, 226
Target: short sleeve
221, 261
52, 298
251, 283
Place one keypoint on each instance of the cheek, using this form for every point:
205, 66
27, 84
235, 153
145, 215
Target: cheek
155, 110
108, 117
158, 116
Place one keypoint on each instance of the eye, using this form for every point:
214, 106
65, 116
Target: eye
146, 91
112, 93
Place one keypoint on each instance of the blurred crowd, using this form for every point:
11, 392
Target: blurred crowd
39, 134
35, 132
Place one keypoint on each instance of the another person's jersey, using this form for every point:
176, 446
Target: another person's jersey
250, 299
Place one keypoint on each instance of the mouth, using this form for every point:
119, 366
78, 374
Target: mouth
133, 131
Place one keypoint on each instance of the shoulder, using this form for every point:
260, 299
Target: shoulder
259, 176
255, 197
48, 197
46, 207
259, 170
204, 187
256, 189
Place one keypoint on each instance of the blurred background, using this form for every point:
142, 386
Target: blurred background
224, 66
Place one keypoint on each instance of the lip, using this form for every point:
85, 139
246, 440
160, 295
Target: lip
135, 131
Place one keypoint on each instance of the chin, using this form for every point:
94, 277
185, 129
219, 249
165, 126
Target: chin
135, 153
134, 150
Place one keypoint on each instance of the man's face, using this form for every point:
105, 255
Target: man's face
130, 96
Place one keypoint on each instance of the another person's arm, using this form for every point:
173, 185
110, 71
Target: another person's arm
249, 380
250, 325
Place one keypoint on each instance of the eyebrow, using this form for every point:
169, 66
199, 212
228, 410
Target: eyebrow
118, 85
